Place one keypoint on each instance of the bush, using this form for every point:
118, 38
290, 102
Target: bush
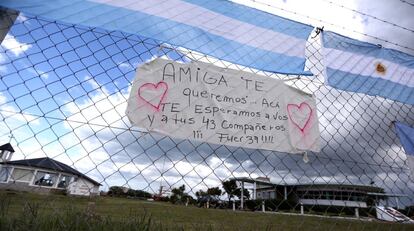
254, 205
58, 192
161, 198
117, 191
409, 210
138, 193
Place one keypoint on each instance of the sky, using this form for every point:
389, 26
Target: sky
63, 94
359, 19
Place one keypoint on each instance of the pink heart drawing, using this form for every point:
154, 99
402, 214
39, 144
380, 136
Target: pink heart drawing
300, 115
153, 94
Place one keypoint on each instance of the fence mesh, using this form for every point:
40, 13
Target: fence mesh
64, 90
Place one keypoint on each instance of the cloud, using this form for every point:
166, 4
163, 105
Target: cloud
125, 65
93, 134
22, 18
11, 44
108, 146
38, 72
342, 17
43, 74
3, 59
110, 150
17, 126
12, 116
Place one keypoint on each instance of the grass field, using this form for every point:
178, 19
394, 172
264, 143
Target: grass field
26, 211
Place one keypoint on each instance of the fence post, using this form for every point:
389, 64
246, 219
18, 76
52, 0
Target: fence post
91, 209
242, 195
263, 206
254, 190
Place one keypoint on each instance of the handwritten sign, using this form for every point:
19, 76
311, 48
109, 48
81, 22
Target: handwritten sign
204, 102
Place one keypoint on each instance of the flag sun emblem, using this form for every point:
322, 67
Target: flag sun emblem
380, 68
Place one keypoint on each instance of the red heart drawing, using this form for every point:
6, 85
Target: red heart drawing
300, 115
153, 94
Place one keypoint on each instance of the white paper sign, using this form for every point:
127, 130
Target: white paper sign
204, 102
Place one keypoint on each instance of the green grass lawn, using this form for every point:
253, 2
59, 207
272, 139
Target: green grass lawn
26, 211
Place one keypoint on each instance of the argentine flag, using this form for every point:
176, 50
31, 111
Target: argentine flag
356, 66
221, 29
406, 135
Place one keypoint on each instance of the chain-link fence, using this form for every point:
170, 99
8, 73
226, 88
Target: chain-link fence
64, 91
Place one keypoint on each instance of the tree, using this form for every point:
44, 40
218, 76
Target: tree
214, 191
230, 187
200, 193
178, 195
116, 191
178, 191
138, 193
246, 193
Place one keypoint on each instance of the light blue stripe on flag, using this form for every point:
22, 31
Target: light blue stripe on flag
406, 135
221, 29
362, 67
371, 86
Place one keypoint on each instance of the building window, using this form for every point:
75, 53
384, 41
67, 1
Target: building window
63, 181
22, 175
4, 173
5, 155
272, 195
45, 179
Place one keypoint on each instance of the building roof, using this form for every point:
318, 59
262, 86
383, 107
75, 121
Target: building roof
250, 180
317, 186
50, 164
388, 194
340, 187
7, 147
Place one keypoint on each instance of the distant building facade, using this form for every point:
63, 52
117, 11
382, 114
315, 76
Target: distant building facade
330, 195
43, 175
316, 194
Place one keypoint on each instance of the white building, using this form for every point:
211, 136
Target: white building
324, 196
43, 175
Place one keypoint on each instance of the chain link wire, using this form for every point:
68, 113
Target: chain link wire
63, 95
